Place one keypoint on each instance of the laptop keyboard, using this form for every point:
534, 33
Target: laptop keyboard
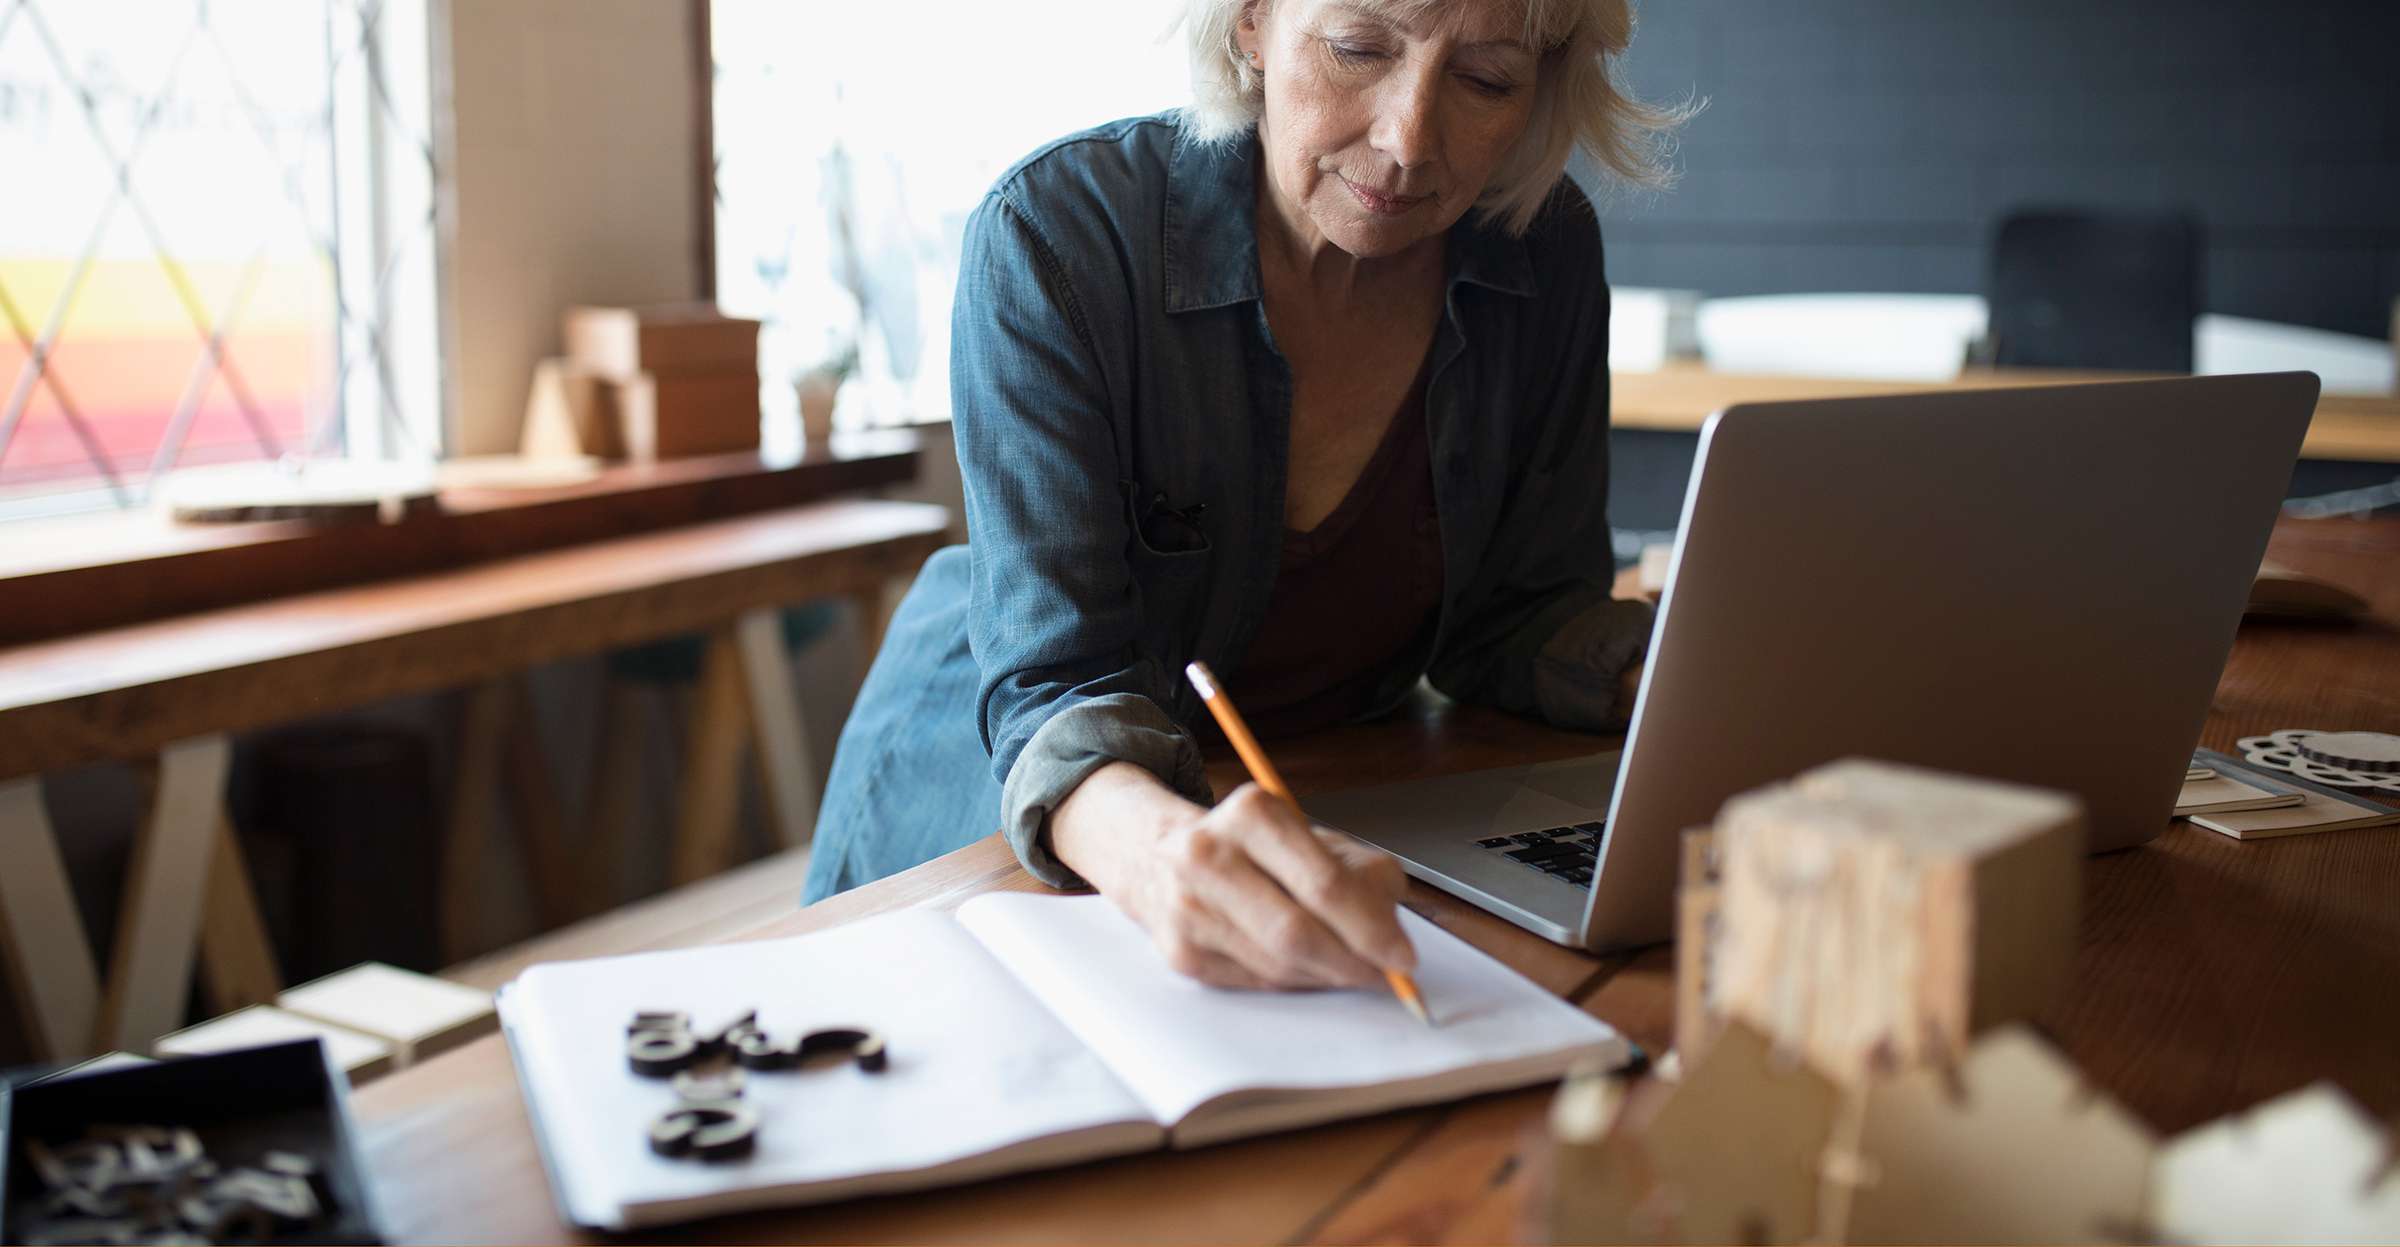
1564, 853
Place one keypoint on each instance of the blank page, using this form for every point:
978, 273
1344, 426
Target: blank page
978, 1068
1180, 1045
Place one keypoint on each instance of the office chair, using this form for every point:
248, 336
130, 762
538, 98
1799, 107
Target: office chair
2075, 289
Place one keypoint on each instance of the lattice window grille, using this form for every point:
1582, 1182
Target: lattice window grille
357, 177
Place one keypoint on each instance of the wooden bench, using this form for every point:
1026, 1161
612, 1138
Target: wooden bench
174, 690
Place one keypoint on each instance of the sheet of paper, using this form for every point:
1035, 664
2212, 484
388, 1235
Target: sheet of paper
976, 1065
1179, 1044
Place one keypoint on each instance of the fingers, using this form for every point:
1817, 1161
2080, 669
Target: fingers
1276, 936
1355, 893
1251, 895
1294, 911
1222, 901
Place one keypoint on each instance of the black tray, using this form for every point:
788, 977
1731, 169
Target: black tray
282, 1097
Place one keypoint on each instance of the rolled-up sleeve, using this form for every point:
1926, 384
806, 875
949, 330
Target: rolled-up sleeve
1540, 633
1056, 613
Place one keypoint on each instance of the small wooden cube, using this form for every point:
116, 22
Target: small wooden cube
1875, 916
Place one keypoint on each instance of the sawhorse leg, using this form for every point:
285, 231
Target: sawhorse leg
49, 961
745, 697
180, 869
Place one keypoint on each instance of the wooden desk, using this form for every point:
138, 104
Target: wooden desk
2213, 974
1680, 396
176, 688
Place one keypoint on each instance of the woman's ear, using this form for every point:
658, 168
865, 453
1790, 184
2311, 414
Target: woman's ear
1246, 35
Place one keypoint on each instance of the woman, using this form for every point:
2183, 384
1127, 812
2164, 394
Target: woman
1309, 382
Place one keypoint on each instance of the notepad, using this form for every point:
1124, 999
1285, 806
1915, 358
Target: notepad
1025, 1032
2318, 811
2223, 794
2320, 808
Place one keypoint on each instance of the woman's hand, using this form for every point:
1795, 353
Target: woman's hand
1248, 894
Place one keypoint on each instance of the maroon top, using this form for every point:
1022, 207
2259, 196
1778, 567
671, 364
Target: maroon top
1353, 595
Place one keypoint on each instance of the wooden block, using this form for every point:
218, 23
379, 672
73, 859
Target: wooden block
2308, 1167
660, 338
362, 1057
571, 413
698, 413
417, 1014
1872, 916
630, 406
2010, 1146
1739, 1143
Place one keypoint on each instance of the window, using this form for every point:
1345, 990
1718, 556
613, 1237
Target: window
219, 240
853, 140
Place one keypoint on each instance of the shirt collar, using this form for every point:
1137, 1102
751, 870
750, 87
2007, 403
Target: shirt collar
1212, 242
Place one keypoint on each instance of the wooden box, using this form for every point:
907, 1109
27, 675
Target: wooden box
624, 342
1871, 916
694, 414
285, 1096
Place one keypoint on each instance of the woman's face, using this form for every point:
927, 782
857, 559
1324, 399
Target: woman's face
1381, 131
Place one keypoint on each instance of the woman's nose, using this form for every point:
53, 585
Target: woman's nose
1404, 119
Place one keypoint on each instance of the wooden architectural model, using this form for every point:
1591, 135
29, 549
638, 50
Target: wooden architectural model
2008, 1145
1855, 945
2308, 1167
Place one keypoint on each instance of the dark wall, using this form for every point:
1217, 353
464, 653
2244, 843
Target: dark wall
1873, 144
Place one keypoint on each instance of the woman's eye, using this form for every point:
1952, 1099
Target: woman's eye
1355, 52
1491, 87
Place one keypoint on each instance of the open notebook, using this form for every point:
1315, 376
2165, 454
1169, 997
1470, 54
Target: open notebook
1025, 1032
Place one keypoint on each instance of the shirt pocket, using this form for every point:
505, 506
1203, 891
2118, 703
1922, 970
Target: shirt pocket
1171, 556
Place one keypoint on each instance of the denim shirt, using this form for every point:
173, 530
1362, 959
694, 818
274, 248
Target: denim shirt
1123, 426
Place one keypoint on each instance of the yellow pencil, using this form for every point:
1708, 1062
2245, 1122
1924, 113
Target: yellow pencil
1229, 721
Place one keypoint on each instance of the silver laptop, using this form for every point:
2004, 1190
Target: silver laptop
2035, 584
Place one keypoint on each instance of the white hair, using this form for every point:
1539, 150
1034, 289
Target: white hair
1577, 102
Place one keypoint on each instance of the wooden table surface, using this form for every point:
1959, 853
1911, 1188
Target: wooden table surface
2213, 974
1681, 395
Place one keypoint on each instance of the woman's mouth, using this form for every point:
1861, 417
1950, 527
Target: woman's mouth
1381, 203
